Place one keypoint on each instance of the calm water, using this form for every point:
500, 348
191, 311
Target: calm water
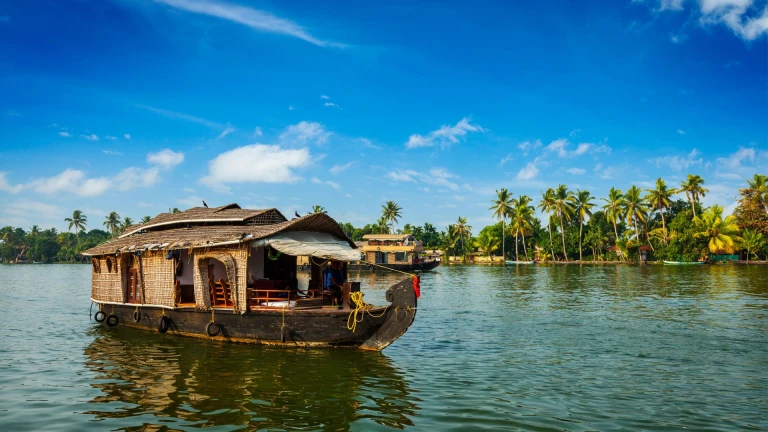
527, 348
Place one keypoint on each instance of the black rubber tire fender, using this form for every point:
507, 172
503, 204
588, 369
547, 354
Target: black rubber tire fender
212, 329
136, 316
100, 316
112, 320
163, 324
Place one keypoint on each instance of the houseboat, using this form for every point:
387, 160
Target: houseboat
229, 273
394, 251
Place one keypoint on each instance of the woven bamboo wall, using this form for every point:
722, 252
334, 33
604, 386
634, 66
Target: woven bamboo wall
235, 259
157, 279
108, 285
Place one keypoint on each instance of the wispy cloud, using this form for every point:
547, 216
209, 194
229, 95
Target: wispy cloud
526, 146
325, 97
528, 172
127, 136
227, 130
91, 137
112, 152
367, 143
304, 133
681, 132
576, 171
181, 116
332, 184
435, 177
744, 18
7, 187
506, 159
110, 137
445, 136
341, 168
256, 19
165, 158
333, 105
679, 163
561, 147
257, 132
65, 134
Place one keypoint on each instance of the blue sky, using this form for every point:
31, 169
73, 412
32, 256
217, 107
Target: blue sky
138, 106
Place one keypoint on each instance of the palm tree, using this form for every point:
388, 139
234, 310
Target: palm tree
391, 212
487, 243
461, 230
112, 222
564, 207
382, 226
146, 219
174, 210
547, 205
318, 209
79, 221
634, 209
34, 231
502, 206
658, 199
692, 186
522, 217
127, 222
758, 187
723, 234
582, 206
752, 242
613, 208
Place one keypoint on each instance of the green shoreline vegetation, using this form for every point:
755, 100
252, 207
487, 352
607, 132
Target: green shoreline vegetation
616, 228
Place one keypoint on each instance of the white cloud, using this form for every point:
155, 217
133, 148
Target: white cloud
576, 171
340, 168
127, 136
253, 18
7, 187
110, 137
670, 5
332, 184
256, 163
112, 152
681, 132
529, 172
227, 130
331, 104
305, 133
257, 132
735, 160
445, 136
91, 137
290, 108
679, 163
439, 177
324, 97
562, 145
65, 134
526, 146
27, 208
166, 158
744, 18
506, 159
574, 132
189, 190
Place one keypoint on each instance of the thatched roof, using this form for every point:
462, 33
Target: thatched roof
230, 214
386, 236
212, 234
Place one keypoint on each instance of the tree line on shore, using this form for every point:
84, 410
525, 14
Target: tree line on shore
618, 226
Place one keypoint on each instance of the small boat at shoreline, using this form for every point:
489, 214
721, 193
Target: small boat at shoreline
520, 262
684, 262
229, 274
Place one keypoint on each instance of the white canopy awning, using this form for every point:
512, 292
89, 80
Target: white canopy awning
316, 244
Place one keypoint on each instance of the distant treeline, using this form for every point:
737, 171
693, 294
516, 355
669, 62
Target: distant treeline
620, 226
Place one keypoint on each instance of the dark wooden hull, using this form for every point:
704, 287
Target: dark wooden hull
375, 330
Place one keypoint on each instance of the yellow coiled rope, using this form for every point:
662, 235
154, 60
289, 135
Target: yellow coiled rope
360, 309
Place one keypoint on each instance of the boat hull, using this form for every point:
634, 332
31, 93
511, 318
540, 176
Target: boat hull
683, 263
519, 262
376, 328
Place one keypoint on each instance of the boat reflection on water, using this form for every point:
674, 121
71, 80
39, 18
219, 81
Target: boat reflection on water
148, 379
